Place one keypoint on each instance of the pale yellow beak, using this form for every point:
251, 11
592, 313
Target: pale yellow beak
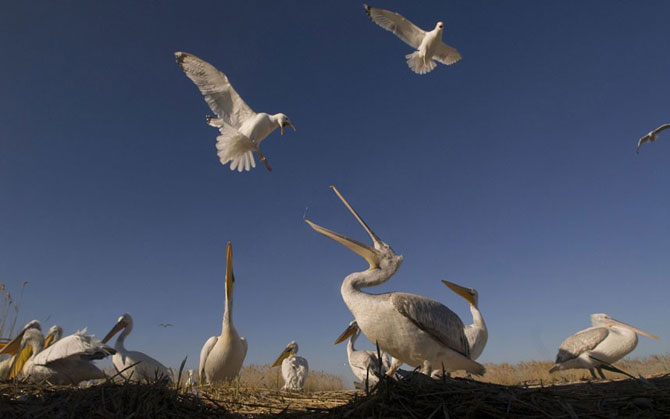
462, 291
634, 329
366, 252
347, 332
285, 354
117, 327
281, 128
13, 346
49, 340
230, 278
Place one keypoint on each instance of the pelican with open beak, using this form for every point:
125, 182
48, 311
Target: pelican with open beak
476, 333
13, 347
133, 365
294, 369
222, 356
599, 346
411, 328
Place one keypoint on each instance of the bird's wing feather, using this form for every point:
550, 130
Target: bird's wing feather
206, 348
396, 23
365, 360
581, 342
236, 148
77, 345
661, 128
433, 318
301, 371
446, 54
219, 94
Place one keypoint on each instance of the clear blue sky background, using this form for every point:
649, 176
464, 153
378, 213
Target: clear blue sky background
513, 171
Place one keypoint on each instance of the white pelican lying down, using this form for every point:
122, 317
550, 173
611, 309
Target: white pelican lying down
608, 341
242, 130
67, 361
13, 347
412, 329
364, 364
53, 335
222, 356
294, 369
133, 365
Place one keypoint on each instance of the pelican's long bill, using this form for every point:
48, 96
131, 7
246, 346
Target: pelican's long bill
117, 327
634, 329
285, 354
363, 250
13, 346
230, 277
347, 332
49, 340
462, 291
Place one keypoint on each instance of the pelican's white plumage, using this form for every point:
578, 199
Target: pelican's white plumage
134, 365
364, 364
294, 369
13, 347
222, 356
651, 136
476, 333
66, 361
241, 129
429, 44
608, 340
412, 329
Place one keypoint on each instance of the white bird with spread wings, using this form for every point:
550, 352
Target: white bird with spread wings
242, 129
429, 44
651, 137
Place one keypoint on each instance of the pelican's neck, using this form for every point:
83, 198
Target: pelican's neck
227, 314
352, 341
351, 286
477, 319
119, 345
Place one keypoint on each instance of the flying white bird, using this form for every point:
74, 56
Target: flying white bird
364, 364
13, 347
133, 365
476, 333
222, 356
242, 130
294, 369
603, 344
651, 137
412, 329
429, 44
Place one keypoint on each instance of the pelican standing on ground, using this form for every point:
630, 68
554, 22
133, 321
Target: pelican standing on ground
242, 129
364, 364
476, 332
603, 344
651, 137
294, 369
429, 44
412, 329
13, 347
133, 365
221, 357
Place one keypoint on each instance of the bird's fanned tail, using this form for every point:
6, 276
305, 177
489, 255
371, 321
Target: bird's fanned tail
235, 148
419, 63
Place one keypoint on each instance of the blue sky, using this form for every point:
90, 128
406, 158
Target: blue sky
512, 171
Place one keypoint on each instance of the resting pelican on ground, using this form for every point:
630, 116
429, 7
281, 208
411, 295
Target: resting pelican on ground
476, 332
53, 335
242, 130
13, 347
66, 361
294, 369
144, 367
364, 364
221, 357
651, 137
412, 329
599, 346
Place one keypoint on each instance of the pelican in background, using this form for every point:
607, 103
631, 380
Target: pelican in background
221, 357
242, 130
13, 347
294, 369
133, 365
364, 364
599, 346
476, 332
53, 335
412, 329
66, 361
651, 137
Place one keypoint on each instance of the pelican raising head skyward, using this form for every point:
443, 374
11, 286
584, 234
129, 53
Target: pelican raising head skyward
412, 329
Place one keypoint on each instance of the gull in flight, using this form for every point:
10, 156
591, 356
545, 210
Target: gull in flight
651, 137
241, 129
429, 44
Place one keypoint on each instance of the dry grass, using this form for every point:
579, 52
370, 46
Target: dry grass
264, 377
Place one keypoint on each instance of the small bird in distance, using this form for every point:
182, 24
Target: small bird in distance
166, 325
651, 137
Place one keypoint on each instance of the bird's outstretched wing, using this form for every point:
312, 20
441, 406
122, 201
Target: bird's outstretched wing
77, 345
206, 348
642, 141
580, 342
214, 85
661, 128
433, 318
446, 54
396, 23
